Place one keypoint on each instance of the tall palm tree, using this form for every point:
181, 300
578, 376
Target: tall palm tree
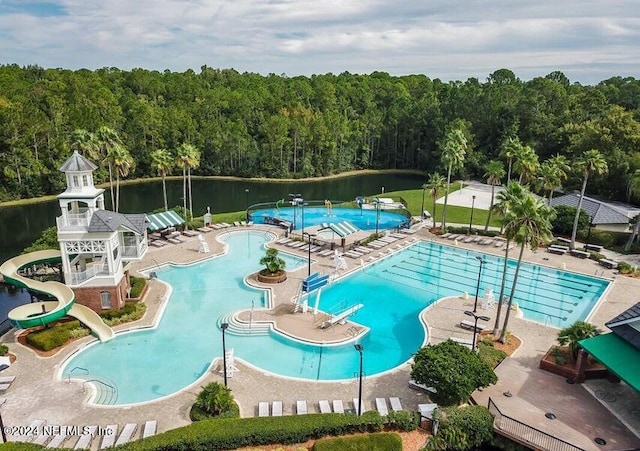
634, 186
591, 162
509, 149
494, 172
552, 173
108, 141
528, 224
162, 163
435, 183
454, 150
85, 143
512, 193
187, 158
122, 162
526, 164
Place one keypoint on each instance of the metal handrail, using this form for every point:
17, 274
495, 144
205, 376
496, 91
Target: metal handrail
528, 434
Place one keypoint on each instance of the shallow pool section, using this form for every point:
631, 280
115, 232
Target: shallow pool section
315, 216
151, 364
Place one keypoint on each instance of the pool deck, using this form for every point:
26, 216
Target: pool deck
37, 394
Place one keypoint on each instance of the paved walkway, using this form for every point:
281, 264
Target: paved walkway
37, 393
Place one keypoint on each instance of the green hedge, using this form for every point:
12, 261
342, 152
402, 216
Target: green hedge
128, 309
383, 441
462, 428
490, 355
232, 433
52, 337
403, 420
197, 414
137, 285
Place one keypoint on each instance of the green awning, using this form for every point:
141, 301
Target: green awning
341, 229
620, 357
163, 220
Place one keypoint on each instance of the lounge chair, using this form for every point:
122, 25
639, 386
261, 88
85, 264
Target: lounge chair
236, 223
301, 407
35, 425
150, 427
84, 442
355, 405
470, 325
203, 229
41, 439
338, 407
263, 409
127, 433
109, 437
445, 235
396, 405
381, 405
276, 409
324, 406
57, 440
189, 233
468, 342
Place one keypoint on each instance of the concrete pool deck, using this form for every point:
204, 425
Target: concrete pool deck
37, 394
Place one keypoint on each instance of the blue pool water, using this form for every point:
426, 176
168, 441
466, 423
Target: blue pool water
315, 216
154, 363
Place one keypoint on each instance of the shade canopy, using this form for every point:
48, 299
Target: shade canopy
621, 358
341, 229
163, 220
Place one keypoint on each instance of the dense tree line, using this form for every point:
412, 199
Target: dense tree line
278, 126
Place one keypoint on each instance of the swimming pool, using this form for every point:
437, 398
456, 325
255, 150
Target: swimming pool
151, 364
315, 216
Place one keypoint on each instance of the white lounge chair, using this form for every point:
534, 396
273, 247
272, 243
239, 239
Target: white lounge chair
7, 379
324, 406
338, 407
381, 405
276, 409
301, 407
396, 405
35, 425
57, 440
84, 442
41, 439
109, 437
263, 409
126, 434
355, 405
150, 427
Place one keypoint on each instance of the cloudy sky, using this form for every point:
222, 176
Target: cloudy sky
448, 39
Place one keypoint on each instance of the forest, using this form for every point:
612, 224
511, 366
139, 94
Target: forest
252, 125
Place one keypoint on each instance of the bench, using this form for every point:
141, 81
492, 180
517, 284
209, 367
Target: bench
593, 247
609, 264
556, 250
470, 325
563, 240
579, 254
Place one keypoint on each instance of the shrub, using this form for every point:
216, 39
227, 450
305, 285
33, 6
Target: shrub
604, 239
137, 285
462, 428
595, 256
563, 222
625, 268
52, 337
232, 433
4, 349
131, 311
559, 356
403, 420
570, 336
215, 399
490, 355
383, 441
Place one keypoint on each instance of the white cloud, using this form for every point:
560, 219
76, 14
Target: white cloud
588, 40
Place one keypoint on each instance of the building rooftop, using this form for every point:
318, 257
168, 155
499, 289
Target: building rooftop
110, 221
77, 163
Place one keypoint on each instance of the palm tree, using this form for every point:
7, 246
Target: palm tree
509, 149
214, 399
552, 173
526, 164
454, 150
108, 141
528, 224
162, 163
633, 186
122, 162
562, 167
494, 172
512, 193
591, 162
85, 143
571, 336
435, 183
188, 157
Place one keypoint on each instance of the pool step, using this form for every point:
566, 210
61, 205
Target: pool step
238, 327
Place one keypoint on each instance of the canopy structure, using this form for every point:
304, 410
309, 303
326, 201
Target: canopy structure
341, 229
163, 220
620, 357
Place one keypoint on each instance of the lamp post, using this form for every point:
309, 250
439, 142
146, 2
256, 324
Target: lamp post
475, 325
247, 193
303, 204
294, 203
377, 202
308, 236
481, 261
359, 348
422, 207
224, 327
473, 202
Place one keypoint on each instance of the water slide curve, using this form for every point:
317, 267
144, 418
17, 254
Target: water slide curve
30, 315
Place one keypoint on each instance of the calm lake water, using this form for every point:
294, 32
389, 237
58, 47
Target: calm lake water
20, 226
